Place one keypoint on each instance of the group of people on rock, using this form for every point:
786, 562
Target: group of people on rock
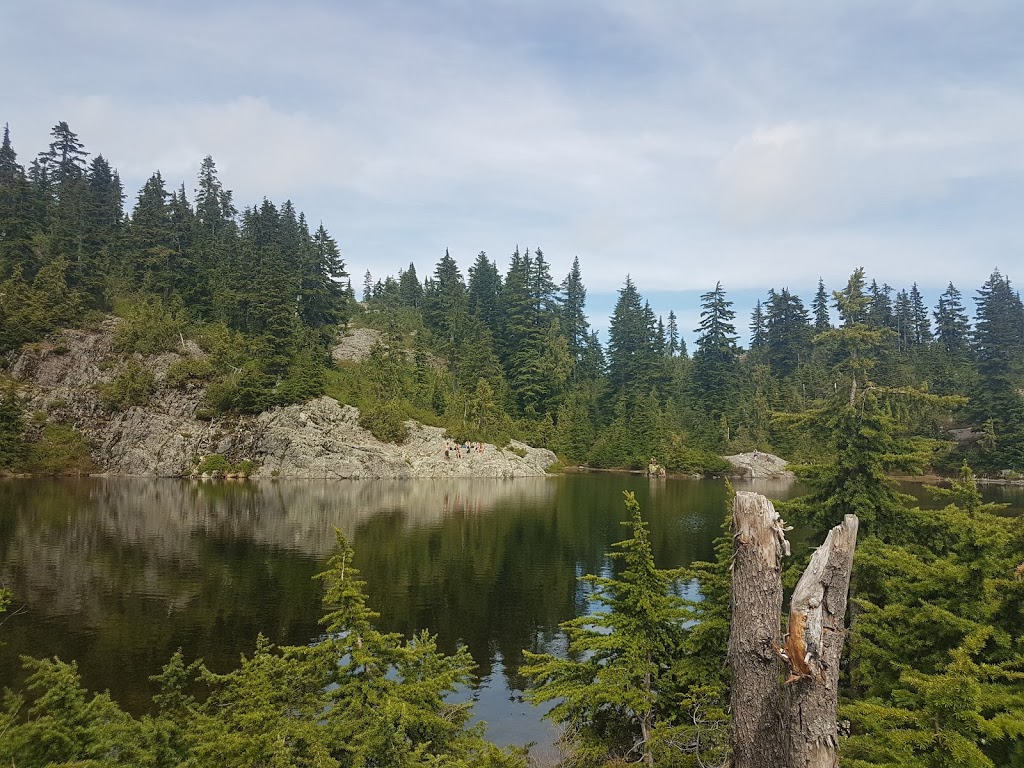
453, 449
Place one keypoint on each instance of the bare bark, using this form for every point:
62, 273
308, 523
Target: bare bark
813, 647
756, 732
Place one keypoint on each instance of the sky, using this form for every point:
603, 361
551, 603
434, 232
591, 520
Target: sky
758, 143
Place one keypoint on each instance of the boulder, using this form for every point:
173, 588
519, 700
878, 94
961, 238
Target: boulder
757, 464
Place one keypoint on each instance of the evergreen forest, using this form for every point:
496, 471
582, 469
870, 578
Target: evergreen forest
863, 383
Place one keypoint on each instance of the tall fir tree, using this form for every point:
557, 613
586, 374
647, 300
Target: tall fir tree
952, 326
19, 223
822, 320
672, 340
715, 372
788, 332
758, 333
573, 316
919, 317
410, 290
998, 342
630, 344
484, 293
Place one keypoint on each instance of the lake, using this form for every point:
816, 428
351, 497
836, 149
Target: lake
118, 573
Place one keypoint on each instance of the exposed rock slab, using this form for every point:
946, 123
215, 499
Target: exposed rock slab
356, 344
757, 464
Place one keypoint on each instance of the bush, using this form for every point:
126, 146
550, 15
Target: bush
59, 450
147, 327
217, 465
695, 461
132, 386
189, 369
386, 422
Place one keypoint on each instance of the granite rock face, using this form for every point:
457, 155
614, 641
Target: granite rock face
758, 464
61, 376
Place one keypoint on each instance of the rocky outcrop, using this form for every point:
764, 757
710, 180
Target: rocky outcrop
323, 439
319, 439
757, 464
356, 344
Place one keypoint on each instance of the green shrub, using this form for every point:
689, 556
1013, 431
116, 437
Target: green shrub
147, 327
12, 445
386, 422
59, 450
189, 369
132, 386
677, 457
217, 465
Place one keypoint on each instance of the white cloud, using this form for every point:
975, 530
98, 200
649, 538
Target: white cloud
778, 174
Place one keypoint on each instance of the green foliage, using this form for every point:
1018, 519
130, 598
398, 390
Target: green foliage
386, 422
620, 690
216, 465
679, 457
357, 698
59, 450
12, 443
388, 695
935, 673
63, 725
188, 370
133, 386
148, 327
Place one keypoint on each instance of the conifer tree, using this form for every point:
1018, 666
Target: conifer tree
573, 316
322, 300
880, 309
822, 321
104, 208
903, 318
215, 210
367, 286
630, 343
152, 262
919, 317
18, 224
484, 293
388, 697
410, 291
952, 328
672, 340
758, 335
614, 686
998, 342
787, 332
715, 369
851, 303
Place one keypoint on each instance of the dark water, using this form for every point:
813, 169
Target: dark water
118, 573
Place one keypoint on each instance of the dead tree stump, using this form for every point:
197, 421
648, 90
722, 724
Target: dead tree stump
756, 731
813, 647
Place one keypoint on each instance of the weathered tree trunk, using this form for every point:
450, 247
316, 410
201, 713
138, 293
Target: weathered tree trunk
759, 543
813, 647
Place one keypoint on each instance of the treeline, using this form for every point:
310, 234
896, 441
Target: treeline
490, 355
525, 342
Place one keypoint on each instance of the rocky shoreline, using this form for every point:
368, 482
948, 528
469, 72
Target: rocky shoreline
320, 439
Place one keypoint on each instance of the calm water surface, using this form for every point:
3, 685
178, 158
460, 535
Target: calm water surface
119, 573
